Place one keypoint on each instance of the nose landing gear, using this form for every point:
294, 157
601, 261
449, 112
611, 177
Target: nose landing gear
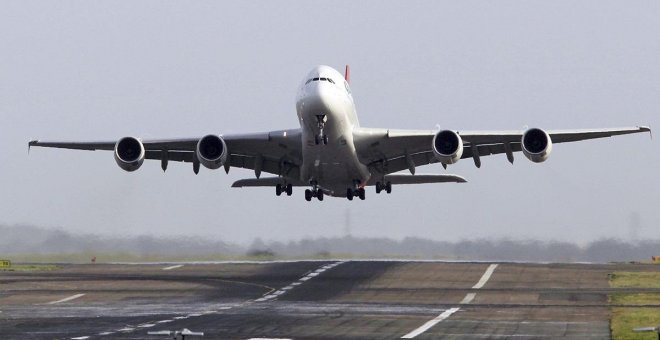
321, 137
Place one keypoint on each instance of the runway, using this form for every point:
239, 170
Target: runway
312, 299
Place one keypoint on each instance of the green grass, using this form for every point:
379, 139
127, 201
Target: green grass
29, 267
624, 319
635, 280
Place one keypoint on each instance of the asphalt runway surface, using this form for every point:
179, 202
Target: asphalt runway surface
312, 299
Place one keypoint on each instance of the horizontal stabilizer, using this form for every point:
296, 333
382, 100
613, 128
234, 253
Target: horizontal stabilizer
424, 178
265, 182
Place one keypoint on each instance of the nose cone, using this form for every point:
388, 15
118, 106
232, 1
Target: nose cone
321, 99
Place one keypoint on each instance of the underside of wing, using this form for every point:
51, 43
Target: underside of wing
389, 151
276, 152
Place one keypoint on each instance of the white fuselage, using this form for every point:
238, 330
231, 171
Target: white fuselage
325, 96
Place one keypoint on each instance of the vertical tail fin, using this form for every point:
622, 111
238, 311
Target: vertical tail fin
347, 74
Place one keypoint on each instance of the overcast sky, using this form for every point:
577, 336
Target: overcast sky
103, 70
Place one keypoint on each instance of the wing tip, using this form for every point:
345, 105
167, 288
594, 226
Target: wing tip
646, 128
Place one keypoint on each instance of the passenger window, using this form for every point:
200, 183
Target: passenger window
330, 80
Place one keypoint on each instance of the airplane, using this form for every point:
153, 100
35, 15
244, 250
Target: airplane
331, 154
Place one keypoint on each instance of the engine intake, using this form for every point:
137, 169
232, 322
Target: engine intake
212, 151
536, 145
129, 153
447, 146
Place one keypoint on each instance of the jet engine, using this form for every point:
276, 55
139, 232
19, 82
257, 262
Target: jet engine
447, 146
212, 151
129, 153
536, 145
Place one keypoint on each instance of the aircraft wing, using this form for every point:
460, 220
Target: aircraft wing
280, 152
388, 151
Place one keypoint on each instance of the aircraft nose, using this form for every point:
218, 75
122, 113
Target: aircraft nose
321, 99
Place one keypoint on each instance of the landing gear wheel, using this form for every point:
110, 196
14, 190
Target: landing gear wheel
308, 195
325, 140
289, 189
278, 189
379, 187
349, 194
317, 140
388, 187
319, 195
361, 193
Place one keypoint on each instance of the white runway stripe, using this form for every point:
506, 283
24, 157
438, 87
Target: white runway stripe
317, 272
66, 299
485, 277
468, 298
431, 323
173, 267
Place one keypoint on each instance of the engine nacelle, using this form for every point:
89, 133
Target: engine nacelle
536, 145
212, 151
447, 146
129, 153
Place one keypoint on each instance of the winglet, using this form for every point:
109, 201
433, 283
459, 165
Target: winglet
647, 128
30, 143
347, 74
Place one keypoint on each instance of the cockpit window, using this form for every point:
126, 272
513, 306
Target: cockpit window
319, 79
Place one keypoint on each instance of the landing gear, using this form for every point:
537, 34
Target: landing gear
355, 192
279, 189
321, 137
314, 192
380, 187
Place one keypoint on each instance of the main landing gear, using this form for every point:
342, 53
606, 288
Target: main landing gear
321, 137
314, 192
279, 189
356, 191
380, 187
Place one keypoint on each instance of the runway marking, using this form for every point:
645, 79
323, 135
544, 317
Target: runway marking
485, 277
468, 298
173, 267
80, 338
274, 294
106, 333
425, 327
146, 325
66, 299
164, 321
126, 329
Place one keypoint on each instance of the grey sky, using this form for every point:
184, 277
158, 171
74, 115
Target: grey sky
102, 70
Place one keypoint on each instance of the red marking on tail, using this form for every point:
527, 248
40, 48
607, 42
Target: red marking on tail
347, 74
